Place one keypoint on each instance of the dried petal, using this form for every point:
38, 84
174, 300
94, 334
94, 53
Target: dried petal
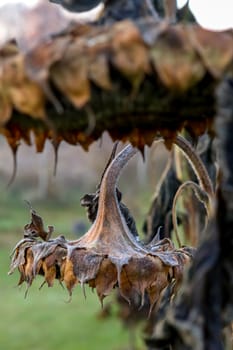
176, 62
28, 98
40, 138
215, 51
129, 52
106, 279
24, 94
69, 277
5, 109
98, 72
71, 77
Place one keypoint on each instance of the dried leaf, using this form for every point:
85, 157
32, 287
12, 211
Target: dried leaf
19, 253
36, 227
68, 276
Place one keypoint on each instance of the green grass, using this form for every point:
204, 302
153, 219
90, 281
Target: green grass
44, 320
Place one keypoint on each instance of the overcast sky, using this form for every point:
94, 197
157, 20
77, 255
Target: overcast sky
212, 14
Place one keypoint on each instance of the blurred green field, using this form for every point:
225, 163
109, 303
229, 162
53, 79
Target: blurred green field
44, 320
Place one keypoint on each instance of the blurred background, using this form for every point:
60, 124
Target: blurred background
44, 320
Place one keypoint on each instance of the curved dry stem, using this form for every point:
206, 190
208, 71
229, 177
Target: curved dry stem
205, 191
201, 196
196, 164
112, 174
108, 206
198, 168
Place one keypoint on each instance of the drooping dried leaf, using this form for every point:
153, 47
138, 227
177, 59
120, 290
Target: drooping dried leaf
105, 280
19, 253
36, 227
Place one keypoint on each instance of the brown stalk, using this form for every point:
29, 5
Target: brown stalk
196, 164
